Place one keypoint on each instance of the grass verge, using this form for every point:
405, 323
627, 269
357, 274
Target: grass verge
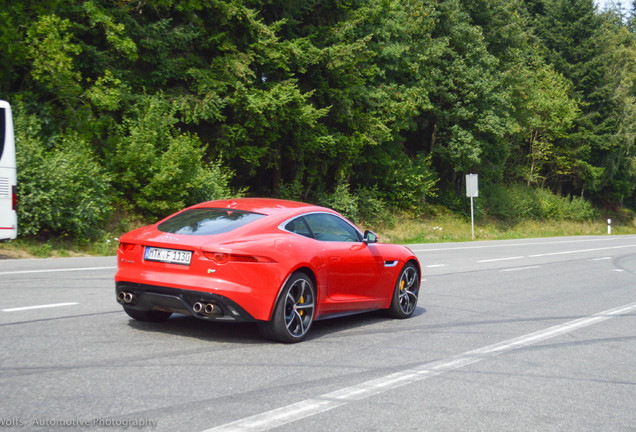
453, 228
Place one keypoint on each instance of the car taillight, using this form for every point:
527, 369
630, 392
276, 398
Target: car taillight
126, 247
218, 257
223, 257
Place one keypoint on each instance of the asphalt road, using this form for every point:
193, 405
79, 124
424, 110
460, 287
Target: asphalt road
521, 335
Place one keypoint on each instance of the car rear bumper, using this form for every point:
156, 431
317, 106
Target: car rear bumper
176, 300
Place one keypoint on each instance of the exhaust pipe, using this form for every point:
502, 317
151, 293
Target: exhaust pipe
126, 297
204, 308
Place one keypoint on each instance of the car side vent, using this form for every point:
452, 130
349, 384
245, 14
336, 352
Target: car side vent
390, 263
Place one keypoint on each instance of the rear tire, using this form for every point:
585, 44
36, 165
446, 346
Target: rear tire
148, 316
294, 311
406, 292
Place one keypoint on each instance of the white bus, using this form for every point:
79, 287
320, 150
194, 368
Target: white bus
8, 176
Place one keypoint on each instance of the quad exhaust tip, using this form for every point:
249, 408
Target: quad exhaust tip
127, 298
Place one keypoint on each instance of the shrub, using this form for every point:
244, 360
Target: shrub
409, 182
342, 201
291, 191
363, 205
519, 201
63, 191
160, 169
371, 208
180, 179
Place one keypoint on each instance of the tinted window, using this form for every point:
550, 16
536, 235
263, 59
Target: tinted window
327, 227
3, 127
299, 226
207, 221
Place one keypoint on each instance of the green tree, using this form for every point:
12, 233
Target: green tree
584, 47
549, 114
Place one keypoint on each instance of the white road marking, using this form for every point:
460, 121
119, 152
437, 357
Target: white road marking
555, 253
503, 244
38, 307
580, 250
529, 256
57, 270
500, 259
519, 268
329, 401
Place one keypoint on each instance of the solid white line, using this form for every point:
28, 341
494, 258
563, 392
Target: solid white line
505, 244
38, 307
579, 251
500, 259
57, 270
329, 401
520, 268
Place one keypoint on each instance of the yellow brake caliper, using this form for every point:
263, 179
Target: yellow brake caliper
302, 300
402, 285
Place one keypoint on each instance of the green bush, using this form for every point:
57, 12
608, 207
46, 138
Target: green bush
63, 191
516, 202
160, 169
409, 182
363, 205
290, 191
342, 201
371, 208
180, 179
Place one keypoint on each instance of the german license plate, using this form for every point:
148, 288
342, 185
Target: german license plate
172, 256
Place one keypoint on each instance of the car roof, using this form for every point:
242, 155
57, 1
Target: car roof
266, 206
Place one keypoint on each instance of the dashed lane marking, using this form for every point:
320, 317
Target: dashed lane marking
25, 308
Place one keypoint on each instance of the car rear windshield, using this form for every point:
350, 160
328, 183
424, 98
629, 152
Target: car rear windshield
207, 221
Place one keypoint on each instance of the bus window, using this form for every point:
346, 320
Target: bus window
2, 129
8, 178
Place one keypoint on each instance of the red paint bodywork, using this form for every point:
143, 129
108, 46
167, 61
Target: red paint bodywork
349, 276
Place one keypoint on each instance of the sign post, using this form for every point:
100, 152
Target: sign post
472, 191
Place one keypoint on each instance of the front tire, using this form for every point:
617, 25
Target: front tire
406, 292
294, 311
148, 316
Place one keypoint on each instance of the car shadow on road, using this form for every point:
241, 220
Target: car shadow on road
248, 333
187, 326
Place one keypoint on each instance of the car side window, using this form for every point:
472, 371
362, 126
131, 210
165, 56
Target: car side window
327, 227
299, 226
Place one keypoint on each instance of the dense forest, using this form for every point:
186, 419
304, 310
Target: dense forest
140, 107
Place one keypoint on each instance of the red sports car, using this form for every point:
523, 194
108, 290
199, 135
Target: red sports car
280, 263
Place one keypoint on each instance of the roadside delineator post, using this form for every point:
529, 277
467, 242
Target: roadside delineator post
609, 226
472, 191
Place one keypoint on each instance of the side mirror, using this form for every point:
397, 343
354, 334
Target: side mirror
370, 237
